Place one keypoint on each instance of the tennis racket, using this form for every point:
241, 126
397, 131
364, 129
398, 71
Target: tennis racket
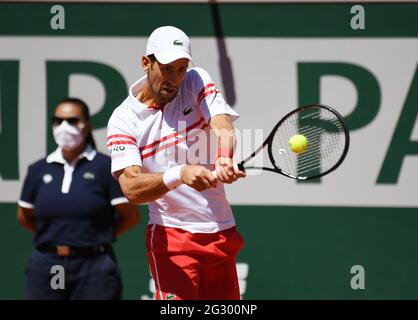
328, 142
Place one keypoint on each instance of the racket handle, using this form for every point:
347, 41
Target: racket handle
237, 166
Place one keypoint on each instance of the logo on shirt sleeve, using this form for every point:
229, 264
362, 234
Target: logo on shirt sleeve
119, 142
116, 149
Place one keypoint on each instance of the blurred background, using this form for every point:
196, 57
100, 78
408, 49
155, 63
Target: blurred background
351, 235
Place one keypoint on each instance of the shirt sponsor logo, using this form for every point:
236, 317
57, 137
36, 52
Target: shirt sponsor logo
47, 178
186, 111
88, 176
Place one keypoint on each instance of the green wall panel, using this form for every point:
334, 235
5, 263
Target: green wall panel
292, 252
258, 20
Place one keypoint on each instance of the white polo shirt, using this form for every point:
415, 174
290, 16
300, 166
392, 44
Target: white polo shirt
158, 139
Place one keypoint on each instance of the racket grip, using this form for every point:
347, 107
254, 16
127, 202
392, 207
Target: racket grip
237, 166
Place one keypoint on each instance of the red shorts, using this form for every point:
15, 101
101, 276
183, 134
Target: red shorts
193, 266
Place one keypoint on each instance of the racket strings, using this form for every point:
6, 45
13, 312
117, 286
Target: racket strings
320, 148
326, 143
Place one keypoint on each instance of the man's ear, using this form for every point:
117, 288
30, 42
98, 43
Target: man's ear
146, 63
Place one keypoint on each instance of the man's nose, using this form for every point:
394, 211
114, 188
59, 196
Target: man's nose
174, 78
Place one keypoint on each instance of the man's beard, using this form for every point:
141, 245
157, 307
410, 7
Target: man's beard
169, 96
163, 98
167, 99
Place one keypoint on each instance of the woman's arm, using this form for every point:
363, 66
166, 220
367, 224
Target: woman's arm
26, 218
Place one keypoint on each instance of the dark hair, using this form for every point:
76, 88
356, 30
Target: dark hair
86, 114
152, 58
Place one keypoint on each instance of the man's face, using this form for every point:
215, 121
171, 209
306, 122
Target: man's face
165, 79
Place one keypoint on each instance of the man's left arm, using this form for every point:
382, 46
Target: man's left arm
222, 127
128, 217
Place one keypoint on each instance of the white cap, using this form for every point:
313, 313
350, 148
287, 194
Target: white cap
168, 44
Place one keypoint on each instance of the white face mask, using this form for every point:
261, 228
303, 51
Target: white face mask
67, 136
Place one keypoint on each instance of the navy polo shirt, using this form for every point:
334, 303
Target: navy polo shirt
73, 203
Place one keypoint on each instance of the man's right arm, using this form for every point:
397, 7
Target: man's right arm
140, 187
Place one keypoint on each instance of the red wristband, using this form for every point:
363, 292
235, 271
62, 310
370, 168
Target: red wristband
224, 152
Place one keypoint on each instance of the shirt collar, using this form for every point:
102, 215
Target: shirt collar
136, 87
133, 91
89, 153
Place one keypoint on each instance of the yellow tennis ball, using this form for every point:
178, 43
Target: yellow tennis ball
298, 143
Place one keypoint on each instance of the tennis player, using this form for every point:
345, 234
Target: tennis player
191, 238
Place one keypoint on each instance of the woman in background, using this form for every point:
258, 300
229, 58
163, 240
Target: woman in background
76, 209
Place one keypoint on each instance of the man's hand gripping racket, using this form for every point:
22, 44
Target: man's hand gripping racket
307, 143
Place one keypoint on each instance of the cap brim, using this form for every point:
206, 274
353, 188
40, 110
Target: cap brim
168, 57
